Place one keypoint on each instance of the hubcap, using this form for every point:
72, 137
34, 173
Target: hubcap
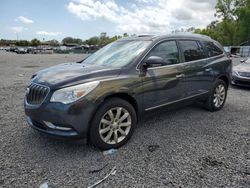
219, 95
115, 125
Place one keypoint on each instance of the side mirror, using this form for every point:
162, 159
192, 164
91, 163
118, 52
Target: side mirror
154, 61
242, 61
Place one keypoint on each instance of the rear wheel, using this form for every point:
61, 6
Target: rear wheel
217, 97
113, 124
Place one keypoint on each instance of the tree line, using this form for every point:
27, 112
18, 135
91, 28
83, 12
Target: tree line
232, 24
100, 40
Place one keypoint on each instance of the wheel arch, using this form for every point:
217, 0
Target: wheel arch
126, 97
225, 79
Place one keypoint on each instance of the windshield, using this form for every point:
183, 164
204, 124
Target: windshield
117, 54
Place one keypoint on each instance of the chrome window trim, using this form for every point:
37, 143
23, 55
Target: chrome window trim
137, 66
37, 105
172, 102
152, 68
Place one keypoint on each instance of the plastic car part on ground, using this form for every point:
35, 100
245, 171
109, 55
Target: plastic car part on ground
98, 170
112, 172
44, 185
109, 152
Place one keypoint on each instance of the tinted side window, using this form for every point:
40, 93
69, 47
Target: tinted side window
168, 51
191, 50
213, 49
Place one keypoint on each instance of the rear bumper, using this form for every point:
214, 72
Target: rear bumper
239, 81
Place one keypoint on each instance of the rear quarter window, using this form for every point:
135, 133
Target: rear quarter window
213, 49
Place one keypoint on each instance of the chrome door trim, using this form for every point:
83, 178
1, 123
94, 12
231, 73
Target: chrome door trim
172, 102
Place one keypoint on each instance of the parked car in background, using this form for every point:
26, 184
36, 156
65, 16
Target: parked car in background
12, 49
30, 50
241, 74
21, 51
7, 49
102, 97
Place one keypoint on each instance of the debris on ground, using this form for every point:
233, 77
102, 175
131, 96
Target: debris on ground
97, 170
109, 152
152, 148
112, 172
211, 161
44, 185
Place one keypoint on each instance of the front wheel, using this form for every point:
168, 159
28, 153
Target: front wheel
217, 97
113, 124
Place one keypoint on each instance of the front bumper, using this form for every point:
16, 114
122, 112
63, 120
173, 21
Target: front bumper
61, 120
240, 81
42, 127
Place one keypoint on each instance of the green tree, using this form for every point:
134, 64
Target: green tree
125, 35
225, 9
35, 42
243, 14
53, 42
104, 39
77, 41
93, 41
68, 40
22, 43
234, 26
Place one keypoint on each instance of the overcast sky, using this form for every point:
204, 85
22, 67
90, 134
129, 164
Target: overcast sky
56, 19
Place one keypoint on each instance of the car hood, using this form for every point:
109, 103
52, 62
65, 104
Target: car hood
71, 73
244, 67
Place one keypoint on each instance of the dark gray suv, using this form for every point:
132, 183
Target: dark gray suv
102, 97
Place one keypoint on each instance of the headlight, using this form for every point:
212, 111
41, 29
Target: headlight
235, 73
73, 93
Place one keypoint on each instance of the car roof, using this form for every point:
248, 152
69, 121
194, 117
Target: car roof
169, 36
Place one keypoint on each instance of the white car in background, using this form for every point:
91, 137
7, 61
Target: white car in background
241, 74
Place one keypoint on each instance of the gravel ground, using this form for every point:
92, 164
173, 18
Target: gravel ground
189, 147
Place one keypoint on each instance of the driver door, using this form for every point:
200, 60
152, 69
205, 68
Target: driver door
164, 85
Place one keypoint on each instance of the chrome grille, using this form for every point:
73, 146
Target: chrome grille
36, 94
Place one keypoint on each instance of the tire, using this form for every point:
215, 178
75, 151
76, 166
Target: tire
115, 131
211, 103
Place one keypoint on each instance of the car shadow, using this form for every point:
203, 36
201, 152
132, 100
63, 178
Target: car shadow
157, 115
60, 145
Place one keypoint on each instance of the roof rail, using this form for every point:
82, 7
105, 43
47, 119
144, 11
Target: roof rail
145, 35
205, 36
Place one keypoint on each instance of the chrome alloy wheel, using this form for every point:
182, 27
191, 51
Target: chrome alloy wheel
219, 95
115, 125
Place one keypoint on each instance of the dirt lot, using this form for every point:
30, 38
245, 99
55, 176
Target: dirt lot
192, 147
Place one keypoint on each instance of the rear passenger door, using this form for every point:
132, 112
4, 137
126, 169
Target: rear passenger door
216, 58
196, 70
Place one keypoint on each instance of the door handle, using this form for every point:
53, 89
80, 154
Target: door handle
208, 69
180, 76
